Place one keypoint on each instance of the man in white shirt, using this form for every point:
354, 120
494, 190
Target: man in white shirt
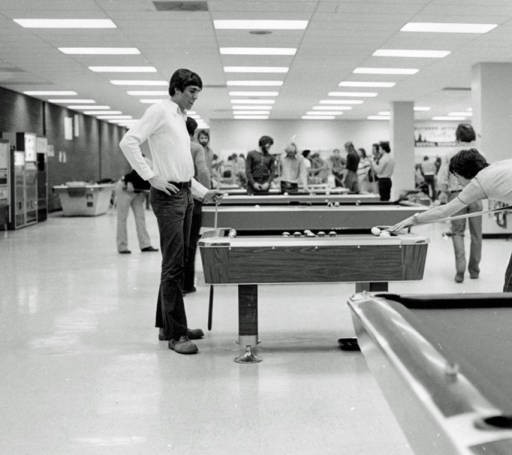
384, 166
479, 181
293, 170
450, 189
172, 189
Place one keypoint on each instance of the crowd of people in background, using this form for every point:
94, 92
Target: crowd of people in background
350, 168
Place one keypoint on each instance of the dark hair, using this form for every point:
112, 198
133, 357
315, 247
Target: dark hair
265, 140
183, 78
384, 145
468, 163
465, 133
203, 133
191, 126
363, 152
305, 153
349, 147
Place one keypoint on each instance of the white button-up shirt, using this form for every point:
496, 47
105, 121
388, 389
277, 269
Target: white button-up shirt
163, 126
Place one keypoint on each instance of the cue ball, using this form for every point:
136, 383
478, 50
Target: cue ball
285, 194
375, 230
332, 233
385, 234
297, 234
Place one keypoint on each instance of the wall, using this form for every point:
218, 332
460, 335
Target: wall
91, 156
240, 136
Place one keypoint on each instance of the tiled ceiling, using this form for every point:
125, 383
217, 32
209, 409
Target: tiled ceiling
341, 35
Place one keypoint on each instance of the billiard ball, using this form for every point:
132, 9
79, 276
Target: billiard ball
385, 234
286, 234
375, 230
332, 233
297, 234
232, 233
336, 204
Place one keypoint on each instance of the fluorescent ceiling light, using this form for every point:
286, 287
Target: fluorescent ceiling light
65, 23
251, 112
76, 101
366, 70
254, 83
147, 92
250, 117
447, 27
244, 101
256, 107
131, 82
324, 113
354, 94
461, 114
114, 117
388, 113
152, 100
260, 24
341, 101
123, 69
332, 108
318, 117
410, 53
245, 93
470, 109
448, 117
99, 50
256, 69
79, 106
366, 84
50, 92
101, 112
378, 117
258, 50
421, 108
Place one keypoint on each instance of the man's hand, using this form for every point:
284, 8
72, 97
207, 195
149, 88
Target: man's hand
443, 197
162, 185
408, 222
257, 186
265, 186
213, 196
129, 187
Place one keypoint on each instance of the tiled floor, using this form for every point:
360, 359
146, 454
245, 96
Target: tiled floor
82, 371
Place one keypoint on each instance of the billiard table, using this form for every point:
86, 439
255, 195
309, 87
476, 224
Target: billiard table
444, 365
249, 260
278, 218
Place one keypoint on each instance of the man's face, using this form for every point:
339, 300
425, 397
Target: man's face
186, 99
266, 146
203, 139
463, 181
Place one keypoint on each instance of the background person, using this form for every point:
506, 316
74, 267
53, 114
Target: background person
260, 167
450, 189
351, 181
428, 170
293, 170
384, 166
363, 171
131, 193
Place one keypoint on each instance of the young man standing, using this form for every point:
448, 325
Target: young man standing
384, 166
260, 167
172, 188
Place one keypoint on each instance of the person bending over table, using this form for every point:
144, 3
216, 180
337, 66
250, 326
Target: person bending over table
479, 181
260, 167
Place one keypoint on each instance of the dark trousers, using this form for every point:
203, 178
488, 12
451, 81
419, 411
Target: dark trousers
190, 256
384, 184
174, 216
430, 180
289, 187
507, 287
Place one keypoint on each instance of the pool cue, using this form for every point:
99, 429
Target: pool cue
473, 214
210, 301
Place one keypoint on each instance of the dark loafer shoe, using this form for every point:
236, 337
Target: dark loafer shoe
149, 249
195, 334
125, 252
183, 346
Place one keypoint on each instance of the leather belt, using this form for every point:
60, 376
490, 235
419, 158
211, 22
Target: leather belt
181, 185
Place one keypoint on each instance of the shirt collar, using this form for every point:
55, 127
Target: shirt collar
175, 107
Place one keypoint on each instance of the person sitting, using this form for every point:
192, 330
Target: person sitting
260, 167
293, 171
479, 181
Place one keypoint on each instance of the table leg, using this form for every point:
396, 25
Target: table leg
247, 323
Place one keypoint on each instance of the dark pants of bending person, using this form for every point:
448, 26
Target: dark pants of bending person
384, 184
174, 216
190, 256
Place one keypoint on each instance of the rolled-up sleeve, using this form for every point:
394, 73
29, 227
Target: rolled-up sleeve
136, 135
198, 191
472, 192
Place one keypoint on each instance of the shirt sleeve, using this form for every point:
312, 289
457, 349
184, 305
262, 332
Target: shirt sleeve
136, 135
472, 192
198, 191
248, 168
442, 176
